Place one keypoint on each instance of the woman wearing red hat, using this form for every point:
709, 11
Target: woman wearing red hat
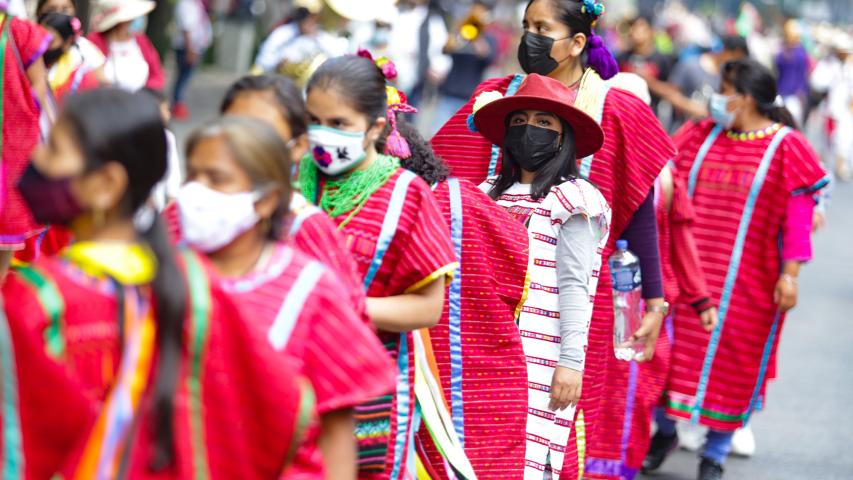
568, 219
559, 42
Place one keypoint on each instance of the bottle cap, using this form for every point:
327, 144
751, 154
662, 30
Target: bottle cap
622, 244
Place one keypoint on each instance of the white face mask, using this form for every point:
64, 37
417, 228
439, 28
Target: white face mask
211, 220
335, 151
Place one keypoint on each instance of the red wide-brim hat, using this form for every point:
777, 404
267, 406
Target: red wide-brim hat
544, 94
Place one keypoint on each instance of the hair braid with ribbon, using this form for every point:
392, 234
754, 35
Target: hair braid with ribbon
396, 145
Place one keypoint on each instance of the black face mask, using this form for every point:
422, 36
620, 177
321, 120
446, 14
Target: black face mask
534, 54
531, 146
51, 56
50, 200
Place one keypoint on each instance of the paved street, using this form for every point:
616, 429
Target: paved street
806, 429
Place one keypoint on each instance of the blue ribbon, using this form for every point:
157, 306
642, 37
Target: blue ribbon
734, 267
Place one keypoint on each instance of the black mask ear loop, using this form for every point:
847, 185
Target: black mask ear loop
567, 56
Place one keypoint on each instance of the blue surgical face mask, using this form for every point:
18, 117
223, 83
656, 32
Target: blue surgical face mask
138, 24
718, 106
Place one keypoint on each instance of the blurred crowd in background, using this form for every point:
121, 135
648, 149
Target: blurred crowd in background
442, 49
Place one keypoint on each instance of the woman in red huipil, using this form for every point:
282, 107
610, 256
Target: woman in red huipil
150, 371
751, 177
558, 39
395, 232
235, 209
24, 91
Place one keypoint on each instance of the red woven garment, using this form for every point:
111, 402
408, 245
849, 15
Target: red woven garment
635, 150
420, 251
737, 373
21, 131
240, 409
493, 370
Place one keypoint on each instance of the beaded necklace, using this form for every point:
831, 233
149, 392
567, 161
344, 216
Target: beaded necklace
755, 134
348, 192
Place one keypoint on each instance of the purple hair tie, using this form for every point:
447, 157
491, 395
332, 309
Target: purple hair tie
600, 59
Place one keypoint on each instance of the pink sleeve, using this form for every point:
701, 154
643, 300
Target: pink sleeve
796, 232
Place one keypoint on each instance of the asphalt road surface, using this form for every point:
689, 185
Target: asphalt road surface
806, 428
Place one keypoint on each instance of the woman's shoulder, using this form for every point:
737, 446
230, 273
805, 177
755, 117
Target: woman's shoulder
488, 184
625, 101
797, 142
24, 280
578, 195
416, 187
498, 84
99, 41
693, 132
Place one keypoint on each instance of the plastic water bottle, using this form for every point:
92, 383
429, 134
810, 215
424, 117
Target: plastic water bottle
627, 299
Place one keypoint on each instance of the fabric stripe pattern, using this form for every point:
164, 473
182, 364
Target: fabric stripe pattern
734, 266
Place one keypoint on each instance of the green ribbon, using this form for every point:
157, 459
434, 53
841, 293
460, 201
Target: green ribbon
54, 308
199, 334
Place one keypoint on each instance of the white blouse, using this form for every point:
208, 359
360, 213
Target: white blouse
125, 66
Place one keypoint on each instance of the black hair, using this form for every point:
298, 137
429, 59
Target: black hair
155, 94
41, 4
59, 22
288, 98
112, 125
570, 14
735, 43
562, 167
360, 82
751, 78
423, 160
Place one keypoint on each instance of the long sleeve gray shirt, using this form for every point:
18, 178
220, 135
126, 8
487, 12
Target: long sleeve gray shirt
576, 253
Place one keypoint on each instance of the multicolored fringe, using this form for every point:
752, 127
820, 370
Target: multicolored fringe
108, 441
433, 408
